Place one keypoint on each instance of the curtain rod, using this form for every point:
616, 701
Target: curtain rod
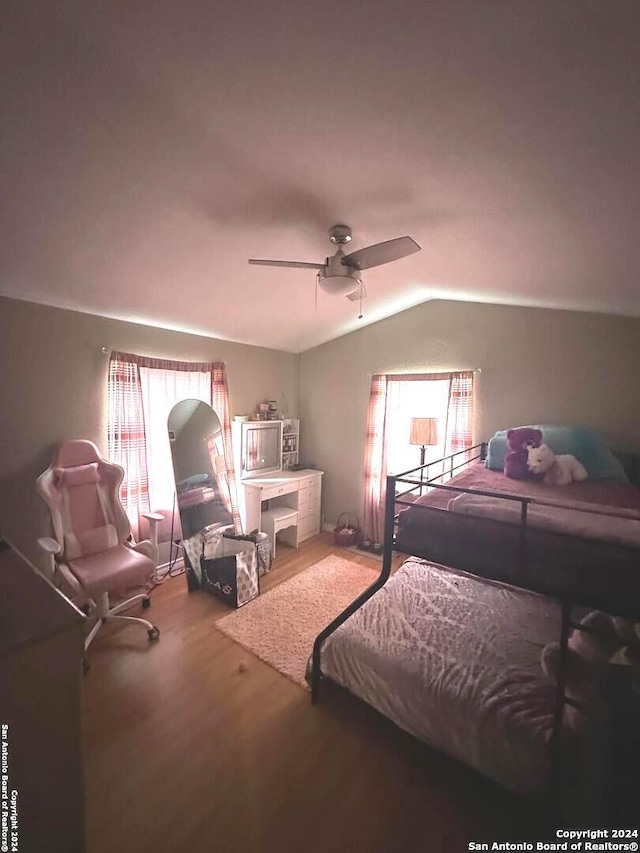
418, 373
107, 351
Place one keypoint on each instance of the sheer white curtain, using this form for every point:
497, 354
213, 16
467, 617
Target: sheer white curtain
162, 388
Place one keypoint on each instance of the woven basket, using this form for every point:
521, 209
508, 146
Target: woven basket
347, 530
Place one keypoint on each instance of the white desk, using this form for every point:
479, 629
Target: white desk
300, 490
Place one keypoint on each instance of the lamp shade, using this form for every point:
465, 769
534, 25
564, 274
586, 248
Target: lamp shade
424, 431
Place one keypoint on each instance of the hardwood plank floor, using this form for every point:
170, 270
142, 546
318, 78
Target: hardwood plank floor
184, 751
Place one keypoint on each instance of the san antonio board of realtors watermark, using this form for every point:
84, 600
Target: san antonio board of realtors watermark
8, 798
584, 840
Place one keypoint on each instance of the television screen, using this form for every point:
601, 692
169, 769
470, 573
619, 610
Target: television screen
262, 448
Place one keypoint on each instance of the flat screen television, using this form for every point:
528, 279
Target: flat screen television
261, 448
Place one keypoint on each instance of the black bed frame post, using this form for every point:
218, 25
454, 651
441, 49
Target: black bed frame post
555, 745
387, 553
389, 520
522, 555
316, 673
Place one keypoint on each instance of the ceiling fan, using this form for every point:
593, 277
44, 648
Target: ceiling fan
340, 274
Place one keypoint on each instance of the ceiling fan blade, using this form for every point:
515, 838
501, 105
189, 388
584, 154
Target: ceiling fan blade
381, 253
302, 265
355, 295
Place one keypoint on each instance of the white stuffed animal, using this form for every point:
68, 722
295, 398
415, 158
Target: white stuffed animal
558, 470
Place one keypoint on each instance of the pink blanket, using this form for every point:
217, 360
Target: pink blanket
592, 521
601, 492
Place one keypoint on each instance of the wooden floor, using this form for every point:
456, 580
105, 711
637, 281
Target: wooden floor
188, 751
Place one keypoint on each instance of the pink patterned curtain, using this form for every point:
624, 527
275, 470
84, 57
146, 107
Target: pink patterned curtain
375, 464
126, 436
220, 403
460, 413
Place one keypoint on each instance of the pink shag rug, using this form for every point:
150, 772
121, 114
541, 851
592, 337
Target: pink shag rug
281, 625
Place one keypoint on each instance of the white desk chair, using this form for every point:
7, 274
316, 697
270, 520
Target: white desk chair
276, 519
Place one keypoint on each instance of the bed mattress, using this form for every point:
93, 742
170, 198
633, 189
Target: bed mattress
556, 555
455, 661
604, 493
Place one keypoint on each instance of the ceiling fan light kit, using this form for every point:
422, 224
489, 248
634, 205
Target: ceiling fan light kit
338, 279
340, 274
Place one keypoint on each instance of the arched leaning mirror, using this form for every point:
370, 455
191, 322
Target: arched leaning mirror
202, 487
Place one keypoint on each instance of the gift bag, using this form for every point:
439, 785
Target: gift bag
229, 570
263, 547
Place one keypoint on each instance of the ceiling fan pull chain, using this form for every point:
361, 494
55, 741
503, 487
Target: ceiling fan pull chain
360, 315
317, 282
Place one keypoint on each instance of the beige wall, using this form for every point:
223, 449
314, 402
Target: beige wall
53, 387
537, 366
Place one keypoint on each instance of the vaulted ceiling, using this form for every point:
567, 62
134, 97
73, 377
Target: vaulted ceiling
149, 149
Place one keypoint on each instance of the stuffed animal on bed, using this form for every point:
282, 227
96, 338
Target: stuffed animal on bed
519, 441
607, 640
558, 470
629, 633
587, 650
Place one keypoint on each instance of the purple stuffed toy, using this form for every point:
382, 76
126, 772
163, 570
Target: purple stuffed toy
519, 441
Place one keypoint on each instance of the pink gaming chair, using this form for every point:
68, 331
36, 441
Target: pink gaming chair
92, 555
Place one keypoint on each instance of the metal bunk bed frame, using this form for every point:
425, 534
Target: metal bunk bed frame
624, 602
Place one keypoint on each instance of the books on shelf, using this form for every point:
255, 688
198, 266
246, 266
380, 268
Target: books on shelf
290, 440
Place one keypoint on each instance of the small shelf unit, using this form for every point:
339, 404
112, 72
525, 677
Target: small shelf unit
290, 442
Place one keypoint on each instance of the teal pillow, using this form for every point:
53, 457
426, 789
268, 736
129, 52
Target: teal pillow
496, 451
582, 442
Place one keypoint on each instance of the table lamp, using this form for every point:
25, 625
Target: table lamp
424, 433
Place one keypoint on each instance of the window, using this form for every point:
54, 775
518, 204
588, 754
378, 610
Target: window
141, 392
392, 403
161, 390
414, 399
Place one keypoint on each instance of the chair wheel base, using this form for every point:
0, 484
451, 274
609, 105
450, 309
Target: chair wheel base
153, 633
86, 666
146, 603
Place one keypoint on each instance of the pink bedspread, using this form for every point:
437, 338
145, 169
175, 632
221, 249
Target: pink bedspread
550, 557
615, 524
455, 661
476, 476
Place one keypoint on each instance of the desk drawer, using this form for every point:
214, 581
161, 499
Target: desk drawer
308, 494
276, 491
308, 527
312, 480
309, 510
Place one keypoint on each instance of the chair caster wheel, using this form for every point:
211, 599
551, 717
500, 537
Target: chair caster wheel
86, 666
153, 633
146, 603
